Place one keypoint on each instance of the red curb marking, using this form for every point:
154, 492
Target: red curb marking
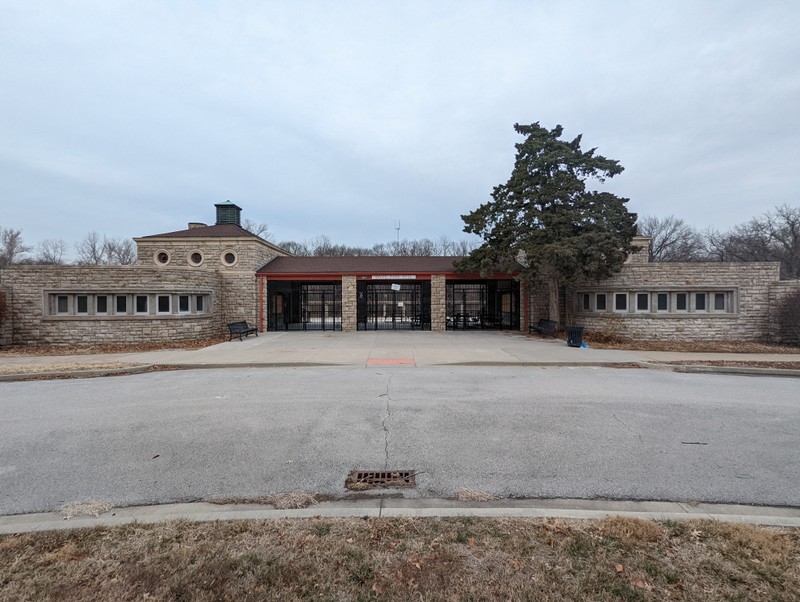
390, 361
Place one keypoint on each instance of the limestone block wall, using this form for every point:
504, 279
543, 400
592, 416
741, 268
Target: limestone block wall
250, 253
238, 294
238, 297
641, 254
438, 303
748, 317
34, 323
349, 304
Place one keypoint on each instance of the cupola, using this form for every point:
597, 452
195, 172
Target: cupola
228, 213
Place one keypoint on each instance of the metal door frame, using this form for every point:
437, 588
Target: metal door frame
304, 305
373, 299
482, 304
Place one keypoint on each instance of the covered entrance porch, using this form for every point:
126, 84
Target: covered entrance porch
482, 304
400, 304
372, 293
301, 305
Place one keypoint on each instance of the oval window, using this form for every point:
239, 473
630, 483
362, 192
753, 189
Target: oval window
162, 257
195, 258
229, 258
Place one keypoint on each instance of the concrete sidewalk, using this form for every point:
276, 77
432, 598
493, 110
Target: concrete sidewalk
363, 349
377, 507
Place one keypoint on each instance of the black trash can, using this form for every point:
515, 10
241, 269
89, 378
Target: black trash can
574, 336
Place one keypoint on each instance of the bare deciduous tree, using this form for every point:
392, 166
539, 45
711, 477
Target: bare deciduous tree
119, 251
715, 245
775, 236
12, 247
672, 239
93, 250
52, 251
261, 230
783, 226
295, 248
90, 250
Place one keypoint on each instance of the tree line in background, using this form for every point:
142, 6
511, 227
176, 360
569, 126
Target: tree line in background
95, 249
92, 250
321, 246
774, 236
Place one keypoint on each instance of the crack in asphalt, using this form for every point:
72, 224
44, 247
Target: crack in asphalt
627, 426
386, 428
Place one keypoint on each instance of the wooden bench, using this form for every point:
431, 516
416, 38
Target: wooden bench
544, 327
240, 329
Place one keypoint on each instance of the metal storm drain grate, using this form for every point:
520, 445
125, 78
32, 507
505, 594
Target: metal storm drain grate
358, 480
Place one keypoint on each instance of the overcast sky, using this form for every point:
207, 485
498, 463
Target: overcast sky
339, 118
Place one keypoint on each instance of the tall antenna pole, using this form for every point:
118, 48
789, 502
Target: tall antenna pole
397, 227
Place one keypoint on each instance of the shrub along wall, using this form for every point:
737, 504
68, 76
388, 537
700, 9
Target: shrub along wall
6, 325
785, 312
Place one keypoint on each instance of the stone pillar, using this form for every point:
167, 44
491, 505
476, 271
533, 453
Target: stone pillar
641, 244
438, 302
349, 304
262, 307
525, 306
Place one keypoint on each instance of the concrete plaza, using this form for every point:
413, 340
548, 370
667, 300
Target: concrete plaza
295, 349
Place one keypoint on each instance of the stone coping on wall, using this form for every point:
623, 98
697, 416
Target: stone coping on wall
94, 318
662, 316
656, 288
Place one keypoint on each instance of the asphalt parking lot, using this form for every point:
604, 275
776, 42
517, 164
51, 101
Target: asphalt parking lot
510, 431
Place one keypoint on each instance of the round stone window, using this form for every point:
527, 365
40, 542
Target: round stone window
229, 258
161, 257
195, 258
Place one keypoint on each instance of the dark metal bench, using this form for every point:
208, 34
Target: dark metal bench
544, 327
240, 329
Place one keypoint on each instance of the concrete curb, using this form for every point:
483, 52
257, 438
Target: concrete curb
682, 368
741, 370
524, 364
412, 508
76, 373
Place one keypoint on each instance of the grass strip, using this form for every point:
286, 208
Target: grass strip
403, 558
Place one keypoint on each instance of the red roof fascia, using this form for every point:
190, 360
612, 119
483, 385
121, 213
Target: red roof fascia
299, 276
368, 276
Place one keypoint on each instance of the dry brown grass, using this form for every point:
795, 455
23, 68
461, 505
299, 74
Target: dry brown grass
631, 530
105, 348
795, 365
282, 501
91, 508
402, 559
475, 495
600, 341
292, 500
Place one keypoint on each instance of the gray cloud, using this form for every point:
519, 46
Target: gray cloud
133, 118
